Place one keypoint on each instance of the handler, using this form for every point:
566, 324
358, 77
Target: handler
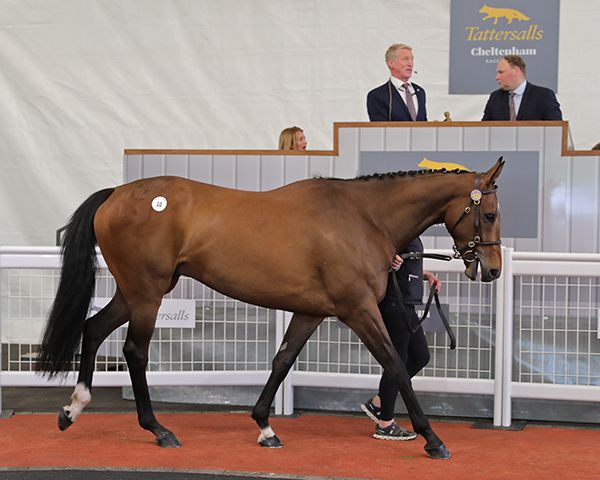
412, 347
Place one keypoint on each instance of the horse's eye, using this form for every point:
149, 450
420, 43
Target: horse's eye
490, 217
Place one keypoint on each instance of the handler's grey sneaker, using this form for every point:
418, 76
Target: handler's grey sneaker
371, 411
393, 432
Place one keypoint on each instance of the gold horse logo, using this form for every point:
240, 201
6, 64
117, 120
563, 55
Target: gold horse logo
509, 13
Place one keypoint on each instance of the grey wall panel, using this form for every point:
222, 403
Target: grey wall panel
373, 139
583, 204
177, 165
248, 172
201, 168
449, 139
320, 167
476, 139
224, 170
556, 184
553, 140
271, 172
345, 165
296, 168
503, 138
132, 167
530, 138
423, 138
153, 166
397, 139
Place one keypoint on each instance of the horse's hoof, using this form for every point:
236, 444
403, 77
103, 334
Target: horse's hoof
167, 440
63, 421
271, 442
438, 453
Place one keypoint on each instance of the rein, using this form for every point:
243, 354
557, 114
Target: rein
469, 251
432, 295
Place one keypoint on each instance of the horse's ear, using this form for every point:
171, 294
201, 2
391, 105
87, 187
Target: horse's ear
493, 173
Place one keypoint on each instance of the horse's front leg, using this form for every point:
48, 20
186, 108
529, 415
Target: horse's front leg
368, 325
135, 350
95, 331
300, 329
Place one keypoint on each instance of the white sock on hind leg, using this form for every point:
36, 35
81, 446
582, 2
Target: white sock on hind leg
79, 399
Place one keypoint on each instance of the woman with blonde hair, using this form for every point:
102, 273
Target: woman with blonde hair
292, 138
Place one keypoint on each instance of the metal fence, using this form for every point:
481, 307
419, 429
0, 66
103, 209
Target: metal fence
532, 334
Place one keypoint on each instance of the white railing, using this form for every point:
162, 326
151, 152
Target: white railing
536, 289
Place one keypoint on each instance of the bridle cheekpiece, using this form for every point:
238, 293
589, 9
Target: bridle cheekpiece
468, 252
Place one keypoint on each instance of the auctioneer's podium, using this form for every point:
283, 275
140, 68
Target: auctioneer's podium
548, 194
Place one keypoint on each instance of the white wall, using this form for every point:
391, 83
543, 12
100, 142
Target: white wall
81, 80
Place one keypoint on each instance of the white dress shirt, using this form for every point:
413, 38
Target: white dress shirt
398, 84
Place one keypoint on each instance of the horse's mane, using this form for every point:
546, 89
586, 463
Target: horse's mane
382, 176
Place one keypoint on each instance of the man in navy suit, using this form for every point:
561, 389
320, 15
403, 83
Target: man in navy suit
517, 99
397, 100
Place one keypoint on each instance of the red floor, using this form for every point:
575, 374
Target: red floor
315, 445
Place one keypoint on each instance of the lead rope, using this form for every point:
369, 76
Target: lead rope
432, 295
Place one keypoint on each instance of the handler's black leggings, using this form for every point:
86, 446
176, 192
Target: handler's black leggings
412, 348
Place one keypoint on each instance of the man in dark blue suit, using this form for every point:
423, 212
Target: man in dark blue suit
397, 100
517, 99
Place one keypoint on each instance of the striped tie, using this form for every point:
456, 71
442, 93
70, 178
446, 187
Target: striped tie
409, 102
512, 115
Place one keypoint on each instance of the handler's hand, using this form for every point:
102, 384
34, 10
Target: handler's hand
434, 282
397, 263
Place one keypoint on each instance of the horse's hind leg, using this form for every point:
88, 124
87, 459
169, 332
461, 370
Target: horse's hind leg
371, 330
95, 331
135, 350
300, 329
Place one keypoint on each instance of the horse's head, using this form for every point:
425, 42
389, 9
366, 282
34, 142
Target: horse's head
474, 223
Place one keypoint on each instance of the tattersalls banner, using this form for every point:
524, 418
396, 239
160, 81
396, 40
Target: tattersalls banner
481, 33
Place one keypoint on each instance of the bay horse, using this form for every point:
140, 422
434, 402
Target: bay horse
319, 248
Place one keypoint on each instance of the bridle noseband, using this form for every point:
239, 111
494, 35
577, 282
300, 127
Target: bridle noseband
469, 251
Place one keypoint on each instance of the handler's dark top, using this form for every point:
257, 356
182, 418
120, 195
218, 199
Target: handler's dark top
410, 276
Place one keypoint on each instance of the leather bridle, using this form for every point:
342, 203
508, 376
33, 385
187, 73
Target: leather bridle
468, 252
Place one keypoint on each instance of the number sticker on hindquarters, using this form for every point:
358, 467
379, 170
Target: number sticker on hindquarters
159, 204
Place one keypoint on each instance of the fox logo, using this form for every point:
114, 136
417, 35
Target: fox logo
509, 13
431, 165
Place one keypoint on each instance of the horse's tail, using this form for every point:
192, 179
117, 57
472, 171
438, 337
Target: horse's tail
64, 328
